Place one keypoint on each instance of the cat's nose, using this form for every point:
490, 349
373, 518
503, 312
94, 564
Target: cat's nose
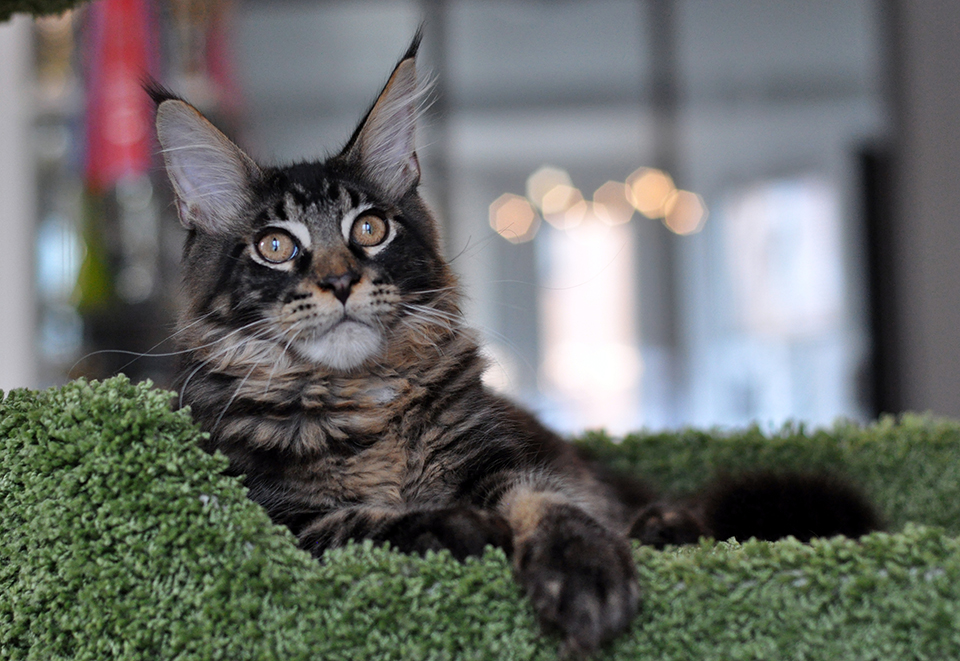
340, 285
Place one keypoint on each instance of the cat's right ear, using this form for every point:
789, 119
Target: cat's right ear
211, 176
384, 143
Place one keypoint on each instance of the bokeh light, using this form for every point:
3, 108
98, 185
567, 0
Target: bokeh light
564, 207
573, 216
551, 196
686, 213
545, 180
558, 199
513, 218
649, 190
610, 203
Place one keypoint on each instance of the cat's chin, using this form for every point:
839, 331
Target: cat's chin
344, 347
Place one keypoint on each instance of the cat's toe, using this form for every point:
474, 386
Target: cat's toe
465, 532
581, 580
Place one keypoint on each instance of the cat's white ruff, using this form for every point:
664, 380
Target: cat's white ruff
345, 346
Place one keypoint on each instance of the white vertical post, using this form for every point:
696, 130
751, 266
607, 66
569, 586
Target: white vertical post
17, 208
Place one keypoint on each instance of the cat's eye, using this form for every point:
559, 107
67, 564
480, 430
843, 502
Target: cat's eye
369, 230
276, 246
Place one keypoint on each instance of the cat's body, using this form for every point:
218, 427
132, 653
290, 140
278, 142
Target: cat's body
328, 359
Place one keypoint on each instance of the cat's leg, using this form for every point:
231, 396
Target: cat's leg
463, 531
579, 574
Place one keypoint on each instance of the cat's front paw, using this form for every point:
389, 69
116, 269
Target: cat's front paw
463, 531
580, 578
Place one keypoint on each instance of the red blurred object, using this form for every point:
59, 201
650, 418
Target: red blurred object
123, 52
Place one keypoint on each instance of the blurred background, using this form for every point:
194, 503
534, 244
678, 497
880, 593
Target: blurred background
664, 212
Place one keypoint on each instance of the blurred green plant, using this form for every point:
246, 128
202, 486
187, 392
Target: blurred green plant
35, 7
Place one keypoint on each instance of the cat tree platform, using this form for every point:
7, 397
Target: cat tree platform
119, 539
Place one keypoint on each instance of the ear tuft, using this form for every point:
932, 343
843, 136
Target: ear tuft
384, 144
211, 176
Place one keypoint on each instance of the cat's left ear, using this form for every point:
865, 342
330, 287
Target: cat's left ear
211, 176
384, 143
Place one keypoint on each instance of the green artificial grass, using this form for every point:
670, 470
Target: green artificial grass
910, 468
119, 539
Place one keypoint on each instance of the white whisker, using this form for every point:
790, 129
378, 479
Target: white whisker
411, 324
276, 364
233, 397
262, 334
144, 354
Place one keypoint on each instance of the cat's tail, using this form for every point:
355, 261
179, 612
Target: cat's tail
761, 505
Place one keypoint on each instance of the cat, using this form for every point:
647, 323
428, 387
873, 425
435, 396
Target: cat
762, 505
327, 357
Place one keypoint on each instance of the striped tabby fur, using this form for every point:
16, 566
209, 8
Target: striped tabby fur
341, 381
327, 357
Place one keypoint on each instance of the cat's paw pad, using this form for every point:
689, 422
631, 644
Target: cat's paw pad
463, 531
580, 578
661, 524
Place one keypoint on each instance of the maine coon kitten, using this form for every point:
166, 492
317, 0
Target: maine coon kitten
327, 357
329, 361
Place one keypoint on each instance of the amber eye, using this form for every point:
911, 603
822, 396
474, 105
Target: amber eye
369, 231
276, 246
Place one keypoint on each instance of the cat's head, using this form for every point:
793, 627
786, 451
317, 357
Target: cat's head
329, 259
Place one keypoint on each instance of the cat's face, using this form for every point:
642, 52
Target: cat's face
329, 260
318, 262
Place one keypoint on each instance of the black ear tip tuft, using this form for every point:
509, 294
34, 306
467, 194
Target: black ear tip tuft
157, 92
414, 45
